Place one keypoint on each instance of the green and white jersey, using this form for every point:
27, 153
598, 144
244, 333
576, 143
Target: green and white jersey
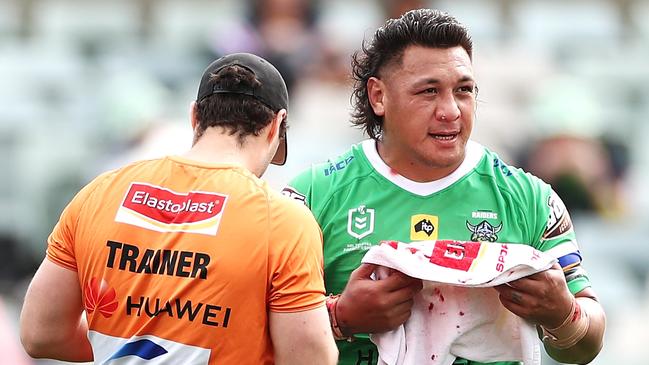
359, 201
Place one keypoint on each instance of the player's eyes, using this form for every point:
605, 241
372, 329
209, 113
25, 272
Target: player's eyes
468, 89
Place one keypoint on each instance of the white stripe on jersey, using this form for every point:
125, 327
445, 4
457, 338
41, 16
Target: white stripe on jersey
563, 249
474, 153
106, 350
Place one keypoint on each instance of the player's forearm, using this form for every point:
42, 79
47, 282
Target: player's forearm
58, 343
587, 348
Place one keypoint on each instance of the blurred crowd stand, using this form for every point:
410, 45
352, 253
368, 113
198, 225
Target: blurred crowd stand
90, 85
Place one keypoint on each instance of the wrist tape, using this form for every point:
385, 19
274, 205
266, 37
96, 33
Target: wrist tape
573, 328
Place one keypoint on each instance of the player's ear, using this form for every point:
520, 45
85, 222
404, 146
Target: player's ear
376, 94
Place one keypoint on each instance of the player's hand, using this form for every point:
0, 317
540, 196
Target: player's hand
374, 306
542, 298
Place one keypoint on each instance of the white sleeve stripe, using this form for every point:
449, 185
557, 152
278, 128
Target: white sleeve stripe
563, 249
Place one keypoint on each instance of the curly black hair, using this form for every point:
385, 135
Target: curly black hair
423, 27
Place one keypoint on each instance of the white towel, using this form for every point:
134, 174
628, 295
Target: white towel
457, 314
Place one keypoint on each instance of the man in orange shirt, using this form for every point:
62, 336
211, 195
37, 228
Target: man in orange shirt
189, 259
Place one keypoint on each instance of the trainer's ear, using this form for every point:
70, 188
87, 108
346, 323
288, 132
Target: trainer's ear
276, 124
193, 114
376, 94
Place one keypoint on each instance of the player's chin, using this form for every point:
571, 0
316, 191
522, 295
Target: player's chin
446, 157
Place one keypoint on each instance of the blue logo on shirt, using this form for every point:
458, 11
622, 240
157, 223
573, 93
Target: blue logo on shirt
145, 349
338, 166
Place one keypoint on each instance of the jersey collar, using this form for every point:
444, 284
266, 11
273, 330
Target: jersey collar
474, 153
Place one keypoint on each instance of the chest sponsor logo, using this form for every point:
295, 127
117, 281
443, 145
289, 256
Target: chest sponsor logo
294, 194
423, 227
164, 210
559, 221
360, 222
484, 231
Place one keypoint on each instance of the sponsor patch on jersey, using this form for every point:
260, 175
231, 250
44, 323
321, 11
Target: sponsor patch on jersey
164, 210
423, 227
294, 194
144, 349
100, 297
360, 222
559, 222
339, 165
147, 349
484, 231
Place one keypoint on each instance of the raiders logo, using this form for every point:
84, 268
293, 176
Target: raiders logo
484, 231
559, 222
294, 194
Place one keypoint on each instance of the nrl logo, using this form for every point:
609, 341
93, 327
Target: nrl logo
484, 231
360, 222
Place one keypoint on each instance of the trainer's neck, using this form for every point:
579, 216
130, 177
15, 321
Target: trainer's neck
214, 147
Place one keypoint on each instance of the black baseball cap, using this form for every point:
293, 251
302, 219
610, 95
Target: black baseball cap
272, 92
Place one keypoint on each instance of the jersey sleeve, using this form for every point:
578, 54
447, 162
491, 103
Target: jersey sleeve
296, 262
300, 188
60, 243
557, 237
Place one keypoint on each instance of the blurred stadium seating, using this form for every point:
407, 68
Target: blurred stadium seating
88, 85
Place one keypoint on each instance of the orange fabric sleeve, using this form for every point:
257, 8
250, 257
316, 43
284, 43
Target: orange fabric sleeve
60, 243
295, 259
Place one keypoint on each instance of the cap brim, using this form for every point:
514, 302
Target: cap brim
280, 156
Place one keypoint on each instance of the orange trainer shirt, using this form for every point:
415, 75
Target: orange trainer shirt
179, 262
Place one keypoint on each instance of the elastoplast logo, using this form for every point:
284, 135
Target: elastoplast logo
164, 210
100, 297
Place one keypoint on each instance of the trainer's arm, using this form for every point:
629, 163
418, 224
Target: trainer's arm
51, 321
303, 337
587, 348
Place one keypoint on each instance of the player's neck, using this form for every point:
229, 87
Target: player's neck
411, 168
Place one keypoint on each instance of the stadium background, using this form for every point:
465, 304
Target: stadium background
88, 85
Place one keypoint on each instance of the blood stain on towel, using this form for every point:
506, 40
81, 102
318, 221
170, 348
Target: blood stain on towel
461, 313
433, 357
438, 292
431, 306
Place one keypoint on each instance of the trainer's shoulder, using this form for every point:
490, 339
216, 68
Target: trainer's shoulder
288, 209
